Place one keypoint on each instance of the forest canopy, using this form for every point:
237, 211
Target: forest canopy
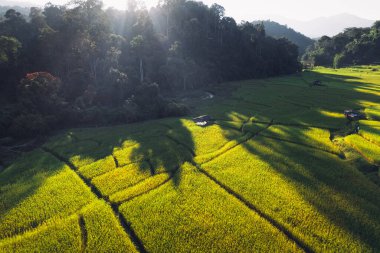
354, 46
92, 65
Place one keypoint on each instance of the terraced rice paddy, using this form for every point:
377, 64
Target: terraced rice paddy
280, 170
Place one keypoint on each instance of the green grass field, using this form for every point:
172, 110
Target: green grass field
279, 171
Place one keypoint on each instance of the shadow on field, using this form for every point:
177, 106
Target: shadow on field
346, 198
325, 181
141, 143
20, 181
164, 154
146, 145
338, 191
351, 81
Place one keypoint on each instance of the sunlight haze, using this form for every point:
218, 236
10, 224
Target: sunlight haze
250, 10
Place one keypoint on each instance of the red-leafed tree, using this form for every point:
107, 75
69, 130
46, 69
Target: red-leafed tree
39, 92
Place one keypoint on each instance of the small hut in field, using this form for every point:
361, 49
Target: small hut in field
203, 121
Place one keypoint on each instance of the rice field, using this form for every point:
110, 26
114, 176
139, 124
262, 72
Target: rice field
280, 170
369, 150
285, 178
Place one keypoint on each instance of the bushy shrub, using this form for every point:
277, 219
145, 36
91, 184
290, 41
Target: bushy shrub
147, 94
7, 114
29, 125
76, 83
92, 115
149, 101
119, 115
98, 115
173, 109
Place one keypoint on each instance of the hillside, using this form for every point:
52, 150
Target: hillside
277, 30
353, 46
279, 170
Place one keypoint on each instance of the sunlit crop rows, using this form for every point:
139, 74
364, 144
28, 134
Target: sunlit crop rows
41, 206
371, 133
308, 136
197, 215
304, 189
268, 176
369, 150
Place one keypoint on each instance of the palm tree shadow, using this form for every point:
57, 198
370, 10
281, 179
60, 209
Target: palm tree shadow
145, 144
165, 154
147, 147
325, 178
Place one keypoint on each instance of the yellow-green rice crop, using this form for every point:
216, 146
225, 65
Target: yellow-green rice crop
230, 145
313, 194
369, 150
199, 216
371, 133
104, 233
100, 232
253, 128
266, 177
140, 188
307, 136
373, 112
230, 124
122, 178
217, 136
162, 151
57, 195
371, 123
57, 236
99, 167
44, 189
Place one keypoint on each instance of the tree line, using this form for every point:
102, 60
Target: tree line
81, 64
354, 46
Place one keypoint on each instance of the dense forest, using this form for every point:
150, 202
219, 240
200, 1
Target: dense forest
277, 30
351, 47
79, 64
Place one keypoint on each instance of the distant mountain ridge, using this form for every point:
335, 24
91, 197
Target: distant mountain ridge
277, 30
329, 26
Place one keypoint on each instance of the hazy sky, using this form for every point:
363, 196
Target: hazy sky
294, 9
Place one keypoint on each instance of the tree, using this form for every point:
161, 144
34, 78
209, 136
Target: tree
54, 16
338, 59
12, 14
137, 45
16, 26
352, 46
105, 57
9, 50
39, 92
